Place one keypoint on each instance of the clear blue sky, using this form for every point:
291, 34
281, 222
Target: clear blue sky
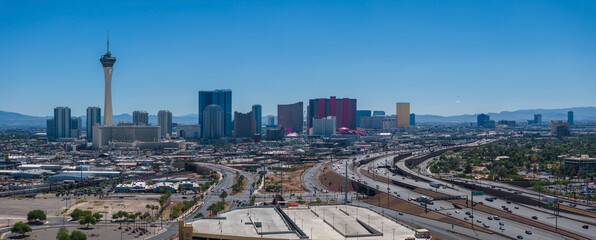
445, 57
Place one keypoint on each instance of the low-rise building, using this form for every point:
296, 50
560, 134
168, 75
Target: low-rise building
585, 163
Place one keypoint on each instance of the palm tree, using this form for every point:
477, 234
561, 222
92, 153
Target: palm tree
156, 208
130, 217
149, 207
146, 216
137, 215
223, 196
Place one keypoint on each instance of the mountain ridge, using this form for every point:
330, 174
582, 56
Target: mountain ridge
12, 119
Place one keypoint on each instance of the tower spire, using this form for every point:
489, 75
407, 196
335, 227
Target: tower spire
108, 41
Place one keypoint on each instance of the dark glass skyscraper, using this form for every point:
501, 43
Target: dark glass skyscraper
378, 113
360, 114
140, 118
62, 122
570, 117
222, 98
93, 117
481, 119
257, 114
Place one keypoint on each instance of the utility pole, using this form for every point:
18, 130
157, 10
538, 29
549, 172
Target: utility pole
282, 178
388, 192
346, 197
472, 204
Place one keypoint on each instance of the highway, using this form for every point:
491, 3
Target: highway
212, 197
566, 221
511, 229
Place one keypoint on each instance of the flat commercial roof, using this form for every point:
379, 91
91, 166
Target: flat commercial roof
315, 222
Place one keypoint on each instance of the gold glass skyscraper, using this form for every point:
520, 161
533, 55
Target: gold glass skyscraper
402, 112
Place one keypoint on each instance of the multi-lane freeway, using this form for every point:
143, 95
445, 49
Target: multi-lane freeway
507, 227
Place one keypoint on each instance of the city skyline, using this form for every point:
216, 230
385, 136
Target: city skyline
419, 63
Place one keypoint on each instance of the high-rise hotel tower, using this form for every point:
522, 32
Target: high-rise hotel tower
107, 61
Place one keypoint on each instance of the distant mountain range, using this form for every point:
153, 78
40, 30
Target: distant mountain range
11, 119
579, 113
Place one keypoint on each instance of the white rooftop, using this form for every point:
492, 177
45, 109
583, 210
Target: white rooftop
316, 222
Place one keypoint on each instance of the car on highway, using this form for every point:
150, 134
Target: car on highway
520, 237
400, 213
478, 221
528, 232
502, 223
496, 218
468, 213
534, 217
501, 228
471, 216
516, 207
466, 219
489, 218
585, 226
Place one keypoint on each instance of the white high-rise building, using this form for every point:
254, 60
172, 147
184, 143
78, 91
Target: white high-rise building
164, 120
324, 126
213, 127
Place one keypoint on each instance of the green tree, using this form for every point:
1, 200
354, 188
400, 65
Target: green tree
88, 219
97, 216
36, 216
62, 234
20, 228
76, 214
116, 217
78, 235
223, 196
468, 168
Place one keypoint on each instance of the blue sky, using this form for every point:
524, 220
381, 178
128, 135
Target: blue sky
445, 57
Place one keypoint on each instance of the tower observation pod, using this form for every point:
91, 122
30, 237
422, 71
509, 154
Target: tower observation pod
107, 61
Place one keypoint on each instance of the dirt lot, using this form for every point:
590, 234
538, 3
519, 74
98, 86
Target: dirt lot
292, 179
166, 212
96, 232
112, 206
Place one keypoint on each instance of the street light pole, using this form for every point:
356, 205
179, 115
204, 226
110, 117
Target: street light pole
346, 193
